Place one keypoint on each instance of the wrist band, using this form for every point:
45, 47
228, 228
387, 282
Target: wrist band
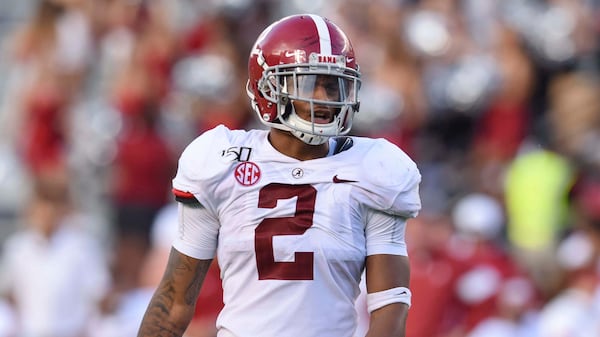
382, 298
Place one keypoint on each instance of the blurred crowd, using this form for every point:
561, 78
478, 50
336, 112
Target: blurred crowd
498, 102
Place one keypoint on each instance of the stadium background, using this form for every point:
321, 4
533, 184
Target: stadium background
498, 102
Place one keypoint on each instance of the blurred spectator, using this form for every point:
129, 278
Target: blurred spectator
54, 272
141, 180
39, 102
574, 311
491, 284
433, 276
574, 117
50, 54
505, 121
579, 257
514, 315
144, 163
143, 166
536, 197
44, 140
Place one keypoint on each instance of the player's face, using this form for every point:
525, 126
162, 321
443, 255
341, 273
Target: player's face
319, 88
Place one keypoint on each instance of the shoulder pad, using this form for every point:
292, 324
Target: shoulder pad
388, 165
201, 162
392, 179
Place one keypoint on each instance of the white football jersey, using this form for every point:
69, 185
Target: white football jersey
291, 237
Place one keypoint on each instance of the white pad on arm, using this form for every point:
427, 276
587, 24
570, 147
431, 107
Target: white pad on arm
382, 298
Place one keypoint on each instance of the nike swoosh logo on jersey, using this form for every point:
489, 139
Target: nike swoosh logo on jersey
337, 180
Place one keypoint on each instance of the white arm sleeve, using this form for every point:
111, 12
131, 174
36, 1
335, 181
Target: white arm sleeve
385, 233
198, 232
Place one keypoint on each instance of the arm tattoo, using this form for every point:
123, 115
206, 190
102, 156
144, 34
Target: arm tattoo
173, 304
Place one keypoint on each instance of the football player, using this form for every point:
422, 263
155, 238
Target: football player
294, 214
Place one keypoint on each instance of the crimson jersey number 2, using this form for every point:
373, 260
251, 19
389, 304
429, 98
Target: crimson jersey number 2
302, 266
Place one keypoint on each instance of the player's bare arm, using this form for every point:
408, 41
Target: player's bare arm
387, 272
172, 306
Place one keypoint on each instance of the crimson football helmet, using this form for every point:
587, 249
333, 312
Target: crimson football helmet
289, 60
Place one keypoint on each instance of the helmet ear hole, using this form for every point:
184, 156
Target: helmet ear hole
284, 100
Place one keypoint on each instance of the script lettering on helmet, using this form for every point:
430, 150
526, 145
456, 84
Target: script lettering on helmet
247, 173
339, 60
327, 59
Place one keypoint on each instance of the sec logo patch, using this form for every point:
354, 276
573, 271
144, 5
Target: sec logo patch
247, 173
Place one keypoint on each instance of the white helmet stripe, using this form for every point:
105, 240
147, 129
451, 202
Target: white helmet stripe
323, 31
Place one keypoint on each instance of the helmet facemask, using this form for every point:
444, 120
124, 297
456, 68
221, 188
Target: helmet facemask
338, 86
